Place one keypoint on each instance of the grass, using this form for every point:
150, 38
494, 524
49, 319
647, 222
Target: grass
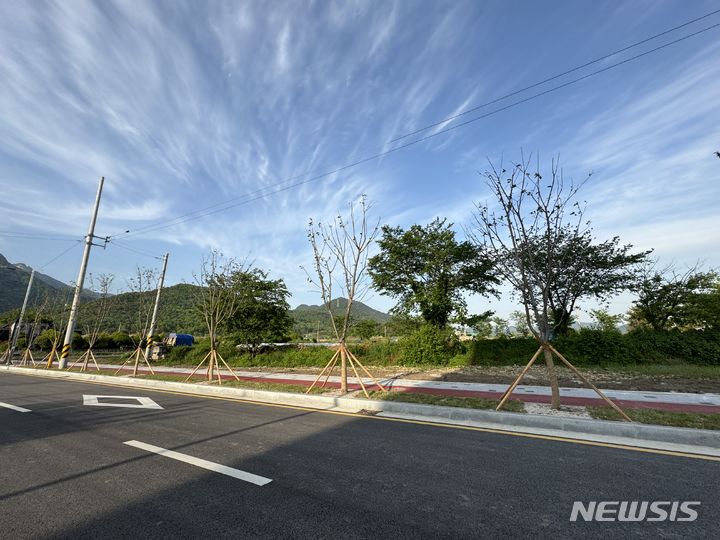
448, 401
662, 418
688, 371
271, 387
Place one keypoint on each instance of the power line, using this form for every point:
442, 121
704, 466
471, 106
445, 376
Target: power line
33, 236
77, 243
554, 77
284, 186
126, 247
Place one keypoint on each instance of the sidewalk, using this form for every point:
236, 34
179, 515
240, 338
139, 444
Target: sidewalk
667, 401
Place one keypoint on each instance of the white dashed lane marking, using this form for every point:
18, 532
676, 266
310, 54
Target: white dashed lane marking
202, 463
14, 407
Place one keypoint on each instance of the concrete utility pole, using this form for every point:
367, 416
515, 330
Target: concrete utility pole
80, 281
153, 321
18, 326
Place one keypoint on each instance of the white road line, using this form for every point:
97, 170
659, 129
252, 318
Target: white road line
14, 407
202, 463
142, 402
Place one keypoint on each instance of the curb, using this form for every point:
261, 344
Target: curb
571, 427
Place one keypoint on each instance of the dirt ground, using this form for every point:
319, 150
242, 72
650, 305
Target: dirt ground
538, 376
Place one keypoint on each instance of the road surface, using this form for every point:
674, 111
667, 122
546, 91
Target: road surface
79, 464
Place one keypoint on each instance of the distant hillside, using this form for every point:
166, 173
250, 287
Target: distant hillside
13, 284
308, 319
176, 312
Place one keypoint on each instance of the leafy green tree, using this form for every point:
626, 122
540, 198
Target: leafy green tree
428, 270
605, 321
261, 310
519, 322
365, 329
501, 327
669, 298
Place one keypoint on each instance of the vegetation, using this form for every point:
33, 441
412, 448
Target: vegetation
261, 314
669, 299
663, 418
428, 271
447, 401
544, 248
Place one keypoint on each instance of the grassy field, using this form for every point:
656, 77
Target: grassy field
662, 418
447, 401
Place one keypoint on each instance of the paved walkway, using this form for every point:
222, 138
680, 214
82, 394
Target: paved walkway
668, 401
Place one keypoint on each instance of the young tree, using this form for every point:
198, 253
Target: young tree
217, 301
340, 257
529, 233
670, 298
99, 309
428, 270
141, 284
261, 313
606, 321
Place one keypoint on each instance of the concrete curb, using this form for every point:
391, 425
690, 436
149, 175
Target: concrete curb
570, 427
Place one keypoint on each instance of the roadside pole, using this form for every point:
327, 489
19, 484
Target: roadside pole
153, 321
18, 326
67, 345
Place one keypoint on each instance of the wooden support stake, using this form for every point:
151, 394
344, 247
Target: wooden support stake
332, 360
591, 385
380, 386
519, 378
123, 364
229, 368
352, 365
327, 375
197, 367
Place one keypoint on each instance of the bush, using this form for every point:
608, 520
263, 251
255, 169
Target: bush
429, 345
46, 339
600, 347
78, 342
105, 341
122, 340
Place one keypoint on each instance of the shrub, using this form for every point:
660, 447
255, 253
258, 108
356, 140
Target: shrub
429, 345
122, 340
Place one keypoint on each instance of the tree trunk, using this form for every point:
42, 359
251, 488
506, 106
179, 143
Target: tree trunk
552, 376
343, 369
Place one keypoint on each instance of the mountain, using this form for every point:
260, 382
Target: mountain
311, 319
14, 278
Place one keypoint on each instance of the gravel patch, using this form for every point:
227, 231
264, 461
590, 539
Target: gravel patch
565, 410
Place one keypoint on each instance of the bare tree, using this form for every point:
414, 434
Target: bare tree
141, 283
340, 260
34, 330
99, 310
530, 234
217, 301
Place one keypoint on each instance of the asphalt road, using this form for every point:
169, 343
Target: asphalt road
65, 472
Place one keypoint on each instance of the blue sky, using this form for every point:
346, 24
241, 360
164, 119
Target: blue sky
184, 105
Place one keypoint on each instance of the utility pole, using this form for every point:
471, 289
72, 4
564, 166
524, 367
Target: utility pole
80, 280
18, 326
153, 321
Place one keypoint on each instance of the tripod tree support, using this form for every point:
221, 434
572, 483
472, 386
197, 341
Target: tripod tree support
548, 347
213, 369
136, 356
343, 352
85, 359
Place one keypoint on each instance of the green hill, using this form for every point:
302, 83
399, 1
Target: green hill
14, 279
311, 319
